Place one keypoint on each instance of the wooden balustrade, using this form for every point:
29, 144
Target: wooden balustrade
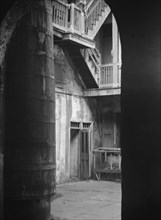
97, 55
60, 15
94, 59
93, 56
108, 77
68, 17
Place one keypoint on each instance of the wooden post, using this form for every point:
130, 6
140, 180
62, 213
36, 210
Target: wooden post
82, 25
114, 50
72, 18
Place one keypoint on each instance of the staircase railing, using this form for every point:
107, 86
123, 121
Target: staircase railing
92, 13
89, 6
110, 76
94, 57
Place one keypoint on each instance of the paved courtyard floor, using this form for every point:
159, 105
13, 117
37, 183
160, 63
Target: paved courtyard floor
87, 200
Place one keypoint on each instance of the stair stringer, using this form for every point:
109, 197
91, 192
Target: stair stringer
92, 69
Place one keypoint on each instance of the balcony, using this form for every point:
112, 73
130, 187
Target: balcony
72, 24
110, 76
109, 81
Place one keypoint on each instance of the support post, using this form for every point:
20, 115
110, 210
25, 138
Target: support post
72, 18
114, 50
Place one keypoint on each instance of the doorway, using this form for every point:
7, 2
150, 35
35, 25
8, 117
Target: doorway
80, 147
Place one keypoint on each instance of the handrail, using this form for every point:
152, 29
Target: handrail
94, 57
94, 60
88, 3
97, 55
89, 6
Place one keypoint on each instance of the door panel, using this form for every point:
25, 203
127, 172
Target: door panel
84, 155
74, 153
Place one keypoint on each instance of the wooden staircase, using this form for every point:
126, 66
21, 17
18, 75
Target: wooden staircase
92, 58
96, 12
75, 29
74, 53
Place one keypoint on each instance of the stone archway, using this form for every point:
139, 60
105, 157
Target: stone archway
139, 26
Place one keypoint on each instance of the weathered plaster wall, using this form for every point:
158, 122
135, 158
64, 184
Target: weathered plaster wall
109, 107
70, 106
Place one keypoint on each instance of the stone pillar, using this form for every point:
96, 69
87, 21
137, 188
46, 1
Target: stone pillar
29, 141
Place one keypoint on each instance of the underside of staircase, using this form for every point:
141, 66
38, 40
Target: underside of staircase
79, 63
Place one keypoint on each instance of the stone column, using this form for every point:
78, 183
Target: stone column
29, 141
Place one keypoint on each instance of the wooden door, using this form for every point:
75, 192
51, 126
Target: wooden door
84, 154
74, 153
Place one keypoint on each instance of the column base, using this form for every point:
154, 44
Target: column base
27, 210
